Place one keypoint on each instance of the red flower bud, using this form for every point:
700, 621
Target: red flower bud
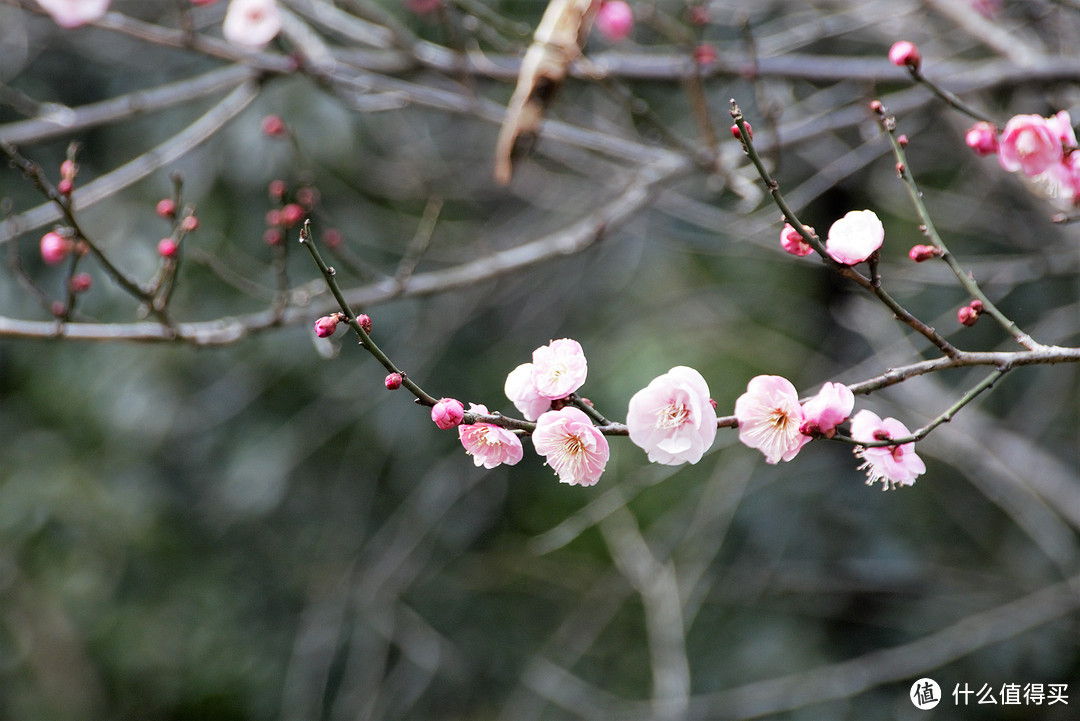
920, 253
80, 282
325, 326
365, 322
274, 126
967, 315
393, 381
738, 136
905, 54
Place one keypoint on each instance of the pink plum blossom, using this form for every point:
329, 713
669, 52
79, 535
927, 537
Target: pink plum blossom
855, 237
615, 20
55, 247
521, 391
252, 23
892, 465
793, 242
1031, 144
672, 418
447, 413
572, 445
488, 444
982, 137
559, 368
73, 13
830, 407
769, 418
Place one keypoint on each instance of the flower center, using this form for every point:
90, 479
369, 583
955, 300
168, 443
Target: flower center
671, 416
573, 446
779, 419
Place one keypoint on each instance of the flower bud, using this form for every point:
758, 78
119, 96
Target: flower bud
704, 54
274, 236
166, 208
393, 381
325, 326
190, 223
976, 305
80, 283
55, 247
65, 186
365, 322
902, 140
614, 20
793, 242
167, 248
274, 126
982, 137
448, 413
968, 315
68, 169
277, 189
920, 253
905, 54
291, 214
738, 135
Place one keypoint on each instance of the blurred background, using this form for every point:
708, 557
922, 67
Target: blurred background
257, 529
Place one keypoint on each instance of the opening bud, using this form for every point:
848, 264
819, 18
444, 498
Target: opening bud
448, 413
969, 314
326, 326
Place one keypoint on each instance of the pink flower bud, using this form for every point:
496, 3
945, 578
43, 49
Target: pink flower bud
704, 54
291, 214
393, 381
55, 247
920, 253
277, 189
976, 305
80, 283
58, 309
68, 170
902, 141
166, 208
307, 196
274, 126
365, 322
274, 236
793, 243
738, 135
65, 186
982, 137
905, 54
190, 223
167, 248
967, 315
448, 413
615, 20
325, 326
876, 107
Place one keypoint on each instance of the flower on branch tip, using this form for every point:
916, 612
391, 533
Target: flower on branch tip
327, 325
55, 247
488, 444
252, 23
855, 237
793, 242
521, 391
892, 465
615, 20
1031, 144
828, 409
922, 253
982, 137
559, 368
770, 417
447, 413
571, 445
905, 54
672, 419
73, 13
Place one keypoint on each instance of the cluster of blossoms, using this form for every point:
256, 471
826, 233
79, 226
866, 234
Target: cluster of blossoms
772, 419
252, 23
673, 420
1043, 149
851, 240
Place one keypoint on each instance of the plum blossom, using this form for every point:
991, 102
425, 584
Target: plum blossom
73, 13
892, 465
1030, 143
829, 408
55, 247
521, 391
793, 242
447, 413
855, 237
672, 418
571, 445
488, 444
769, 418
252, 23
905, 54
559, 368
